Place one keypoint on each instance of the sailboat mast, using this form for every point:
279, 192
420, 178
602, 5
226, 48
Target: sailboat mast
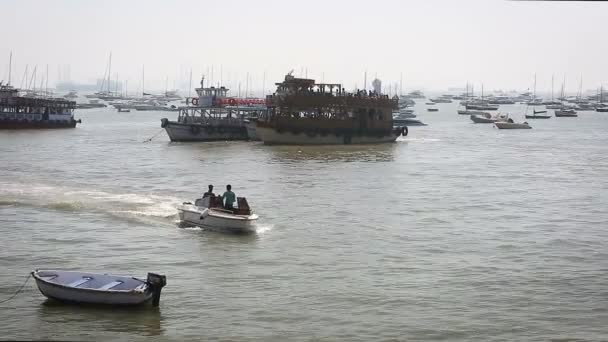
10, 67
109, 71
143, 72
551, 88
401, 85
190, 87
534, 92
46, 85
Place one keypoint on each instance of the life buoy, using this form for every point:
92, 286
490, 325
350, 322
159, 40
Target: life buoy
195, 129
164, 122
404, 131
232, 102
194, 101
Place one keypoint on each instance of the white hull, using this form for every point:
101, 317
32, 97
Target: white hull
271, 137
511, 125
216, 219
183, 132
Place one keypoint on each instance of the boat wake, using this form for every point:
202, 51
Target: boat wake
128, 206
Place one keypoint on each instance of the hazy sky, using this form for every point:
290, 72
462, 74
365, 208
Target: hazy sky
435, 44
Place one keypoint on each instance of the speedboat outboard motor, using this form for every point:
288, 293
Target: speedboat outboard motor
156, 283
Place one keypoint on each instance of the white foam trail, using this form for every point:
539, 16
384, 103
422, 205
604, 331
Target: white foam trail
261, 229
129, 205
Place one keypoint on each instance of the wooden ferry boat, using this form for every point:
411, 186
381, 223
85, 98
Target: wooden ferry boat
302, 112
21, 112
213, 116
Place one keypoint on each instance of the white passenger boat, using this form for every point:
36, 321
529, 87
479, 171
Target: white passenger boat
510, 124
208, 213
92, 288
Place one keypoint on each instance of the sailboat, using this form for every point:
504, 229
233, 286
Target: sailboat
601, 106
466, 104
564, 112
534, 101
536, 114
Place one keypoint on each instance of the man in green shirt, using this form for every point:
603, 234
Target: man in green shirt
229, 197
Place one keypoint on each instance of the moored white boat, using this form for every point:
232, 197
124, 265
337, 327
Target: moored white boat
93, 288
208, 213
510, 124
566, 113
488, 118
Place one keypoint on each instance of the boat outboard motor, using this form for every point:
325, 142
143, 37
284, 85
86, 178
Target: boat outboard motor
156, 283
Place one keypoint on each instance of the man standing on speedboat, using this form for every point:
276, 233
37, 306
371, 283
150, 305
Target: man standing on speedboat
229, 197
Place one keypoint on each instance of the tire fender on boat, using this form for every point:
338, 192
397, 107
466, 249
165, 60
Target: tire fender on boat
164, 122
404, 131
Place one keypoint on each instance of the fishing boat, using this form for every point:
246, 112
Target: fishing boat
22, 112
213, 116
488, 118
510, 124
94, 288
303, 112
208, 212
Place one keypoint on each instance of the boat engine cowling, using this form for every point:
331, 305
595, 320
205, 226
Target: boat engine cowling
156, 283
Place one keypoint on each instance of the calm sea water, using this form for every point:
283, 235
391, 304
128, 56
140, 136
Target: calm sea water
457, 232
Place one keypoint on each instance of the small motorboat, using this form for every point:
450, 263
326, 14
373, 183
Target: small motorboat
471, 112
566, 113
488, 118
432, 109
208, 212
538, 115
510, 124
124, 110
93, 288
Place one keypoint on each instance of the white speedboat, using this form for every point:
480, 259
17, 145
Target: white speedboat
487, 118
510, 124
92, 288
208, 213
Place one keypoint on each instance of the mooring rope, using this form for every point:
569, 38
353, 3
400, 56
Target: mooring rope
154, 136
18, 291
